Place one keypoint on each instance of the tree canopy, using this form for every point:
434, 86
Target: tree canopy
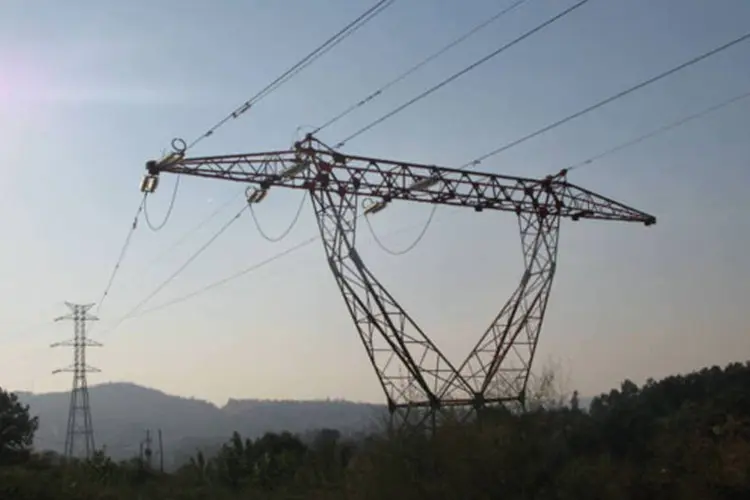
17, 428
682, 438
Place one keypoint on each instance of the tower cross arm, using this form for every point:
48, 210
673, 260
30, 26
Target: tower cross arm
311, 165
77, 342
579, 203
76, 369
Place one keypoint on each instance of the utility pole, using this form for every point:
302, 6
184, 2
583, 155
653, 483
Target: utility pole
79, 413
147, 449
146, 452
161, 454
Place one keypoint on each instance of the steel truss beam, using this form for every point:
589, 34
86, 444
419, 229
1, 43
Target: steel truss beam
412, 371
499, 366
418, 380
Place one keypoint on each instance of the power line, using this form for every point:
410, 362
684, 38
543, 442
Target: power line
419, 65
123, 251
180, 269
660, 130
587, 110
337, 38
460, 73
427, 224
286, 231
304, 62
239, 274
584, 111
608, 152
195, 228
477, 161
344, 33
364, 19
608, 100
232, 277
412, 245
210, 241
163, 223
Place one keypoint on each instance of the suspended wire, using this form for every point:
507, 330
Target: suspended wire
474, 30
296, 68
413, 244
660, 130
608, 100
344, 33
233, 277
286, 231
586, 110
244, 108
227, 203
169, 209
239, 274
363, 20
123, 251
179, 270
397, 80
419, 65
461, 73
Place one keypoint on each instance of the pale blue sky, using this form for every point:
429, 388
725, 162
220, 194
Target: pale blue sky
91, 90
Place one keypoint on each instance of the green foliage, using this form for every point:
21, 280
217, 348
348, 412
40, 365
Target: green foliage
685, 437
17, 428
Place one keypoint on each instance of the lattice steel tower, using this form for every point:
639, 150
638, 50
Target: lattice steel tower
418, 379
79, 414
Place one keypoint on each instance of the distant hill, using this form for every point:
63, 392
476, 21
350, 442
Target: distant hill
122, 411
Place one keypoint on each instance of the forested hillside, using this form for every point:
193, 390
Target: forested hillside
683, 437
122, 412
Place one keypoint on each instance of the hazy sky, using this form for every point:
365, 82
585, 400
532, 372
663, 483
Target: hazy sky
91, 90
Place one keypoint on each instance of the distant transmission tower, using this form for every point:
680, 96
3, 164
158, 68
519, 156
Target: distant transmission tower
79, 415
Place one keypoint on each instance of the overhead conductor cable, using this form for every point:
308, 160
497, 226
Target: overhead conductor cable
593, 107
429, 91
337, 38
121, 257
544, 129
179, 270
671, 126
419, 65
461, 73
608, 100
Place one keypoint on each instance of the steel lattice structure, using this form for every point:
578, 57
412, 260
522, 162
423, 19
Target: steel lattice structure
79, 413
413, 372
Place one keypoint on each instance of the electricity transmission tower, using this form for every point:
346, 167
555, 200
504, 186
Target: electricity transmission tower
79, 414
419, 382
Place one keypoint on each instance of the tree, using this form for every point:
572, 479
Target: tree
17, 428
575, 404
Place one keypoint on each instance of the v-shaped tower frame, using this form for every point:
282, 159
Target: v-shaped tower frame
418, 380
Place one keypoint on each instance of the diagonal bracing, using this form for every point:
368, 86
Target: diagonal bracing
411, 369
415, 376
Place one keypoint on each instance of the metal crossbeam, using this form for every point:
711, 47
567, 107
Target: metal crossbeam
415, 376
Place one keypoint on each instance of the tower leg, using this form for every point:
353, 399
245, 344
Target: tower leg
498, 367
71, 420
415, 376
88, 426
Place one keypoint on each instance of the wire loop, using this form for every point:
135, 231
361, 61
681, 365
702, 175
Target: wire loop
179, 146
